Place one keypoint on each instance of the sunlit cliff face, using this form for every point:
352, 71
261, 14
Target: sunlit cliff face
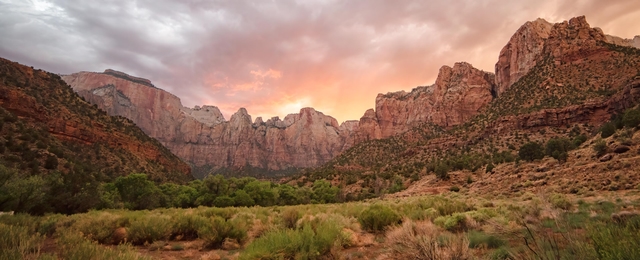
275, 57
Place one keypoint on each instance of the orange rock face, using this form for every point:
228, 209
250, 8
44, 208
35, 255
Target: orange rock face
457, 95
204, 138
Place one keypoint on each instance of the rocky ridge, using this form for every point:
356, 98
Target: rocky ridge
204, 138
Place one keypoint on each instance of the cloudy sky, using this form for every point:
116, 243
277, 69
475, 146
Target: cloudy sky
274, 57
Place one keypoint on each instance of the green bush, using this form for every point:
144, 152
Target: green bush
476, 239
614, 241
186, 226
600, 147
531, 151
219, 229
377, 217
98, 226
608, 129
631, 118
558, 148
560, 201
304, 243
454, 223
224, 201
17, 242
148, 228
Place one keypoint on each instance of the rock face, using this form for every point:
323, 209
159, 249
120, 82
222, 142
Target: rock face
204, 138
521, 53
456, 96
524, 49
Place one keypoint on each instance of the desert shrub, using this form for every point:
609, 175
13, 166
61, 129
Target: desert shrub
98, 226
454, 188
560, 201
304, 243
18, 242
501, 253
631, 118
415, 240
578, 140
600, 147
456, 222
442, 171
608, 129
614, 241
148, 228
531, 151
290, 217
558, 148
186, 226
220, 229
477, 239
377, 217
489, 169
72, 245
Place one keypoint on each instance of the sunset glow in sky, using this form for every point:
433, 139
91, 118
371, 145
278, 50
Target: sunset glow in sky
275, 57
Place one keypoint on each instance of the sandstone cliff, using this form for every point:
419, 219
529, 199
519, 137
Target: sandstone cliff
204, 138
524, 49
456, 96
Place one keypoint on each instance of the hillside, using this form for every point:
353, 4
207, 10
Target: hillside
578, 82
54, 142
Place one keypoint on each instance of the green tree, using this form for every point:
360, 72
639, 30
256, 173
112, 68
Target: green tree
242, 199
323, 192
288, 195
224, 201
137, 192
558, 148
531, 151
261, 192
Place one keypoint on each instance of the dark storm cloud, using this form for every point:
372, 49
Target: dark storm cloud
274, 57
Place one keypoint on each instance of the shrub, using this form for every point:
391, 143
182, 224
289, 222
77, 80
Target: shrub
631, 118
600, 147
442, 171
489, 168
377, 217
476, 239
454, 223
290, 217
415, 240
558, 148
187, 226
148, 228
531, 151
560, 201
578, 140
71, 245
224, 201
608, 129
454, 188
220, 229
98, 226
17, 242
304, 243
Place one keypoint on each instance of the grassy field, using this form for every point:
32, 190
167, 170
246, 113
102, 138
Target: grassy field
448, 226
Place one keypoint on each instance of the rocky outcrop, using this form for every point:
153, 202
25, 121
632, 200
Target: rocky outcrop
203, 137
521, 53
456, 96
524, 49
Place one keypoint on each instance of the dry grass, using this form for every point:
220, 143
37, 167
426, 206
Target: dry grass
423, 240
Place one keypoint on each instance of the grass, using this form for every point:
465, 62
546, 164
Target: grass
429, 227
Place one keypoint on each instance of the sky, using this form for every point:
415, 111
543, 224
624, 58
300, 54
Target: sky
275, 57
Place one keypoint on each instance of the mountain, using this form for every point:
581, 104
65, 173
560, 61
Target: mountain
456, 97
553, 81
43, 119
202, 136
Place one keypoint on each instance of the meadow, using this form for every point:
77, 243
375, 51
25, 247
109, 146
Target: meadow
454, 225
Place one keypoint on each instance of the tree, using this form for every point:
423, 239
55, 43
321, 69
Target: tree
608, 129
288, 195
531, 151
323, 192
243, 199
558, 148
137, 192
261, 192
